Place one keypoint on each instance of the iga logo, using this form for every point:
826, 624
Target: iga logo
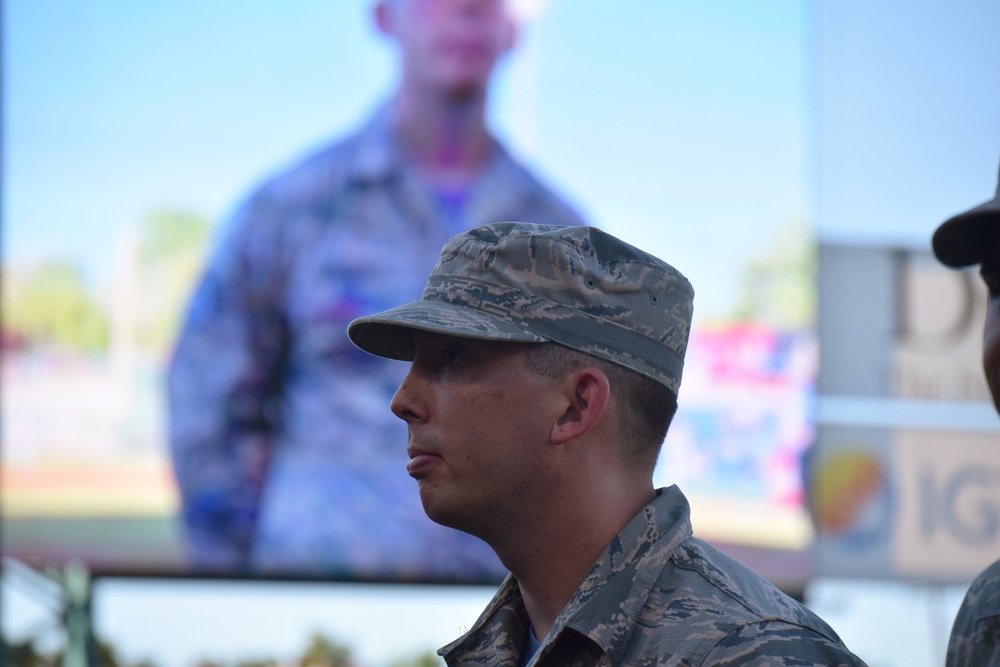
849, 497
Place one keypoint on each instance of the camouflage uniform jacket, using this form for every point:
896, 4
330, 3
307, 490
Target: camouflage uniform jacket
975, 636
285, 453
658, 596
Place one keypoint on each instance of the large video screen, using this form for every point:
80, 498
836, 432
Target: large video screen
133, 134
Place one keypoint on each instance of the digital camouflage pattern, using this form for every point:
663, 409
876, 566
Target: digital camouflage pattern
658, 596
577, 286
975, 636
286, 456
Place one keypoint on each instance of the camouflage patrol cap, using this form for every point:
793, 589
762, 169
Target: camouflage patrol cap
971, 237
577, 286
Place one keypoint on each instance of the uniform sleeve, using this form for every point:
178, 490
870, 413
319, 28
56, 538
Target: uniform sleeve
975, 635
979, 646
224, 391
779, 644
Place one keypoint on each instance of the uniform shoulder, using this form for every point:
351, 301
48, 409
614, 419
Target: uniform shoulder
313, 174
988, 579
975, 634
544, 203
719, 613
287, 207
557, 207
718, 579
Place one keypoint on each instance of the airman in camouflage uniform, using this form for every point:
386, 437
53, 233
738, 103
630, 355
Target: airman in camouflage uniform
968, 239
546, 363
285, 458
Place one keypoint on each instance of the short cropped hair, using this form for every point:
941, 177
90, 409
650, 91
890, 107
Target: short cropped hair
646, 407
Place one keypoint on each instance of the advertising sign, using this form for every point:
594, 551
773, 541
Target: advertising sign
904, 479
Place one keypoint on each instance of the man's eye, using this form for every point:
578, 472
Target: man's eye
449, 357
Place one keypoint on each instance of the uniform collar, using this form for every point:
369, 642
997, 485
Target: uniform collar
503, 184
620, 581
607, 603
499, 632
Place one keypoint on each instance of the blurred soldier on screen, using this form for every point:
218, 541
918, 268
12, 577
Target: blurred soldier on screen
285, 458
546, 362
968, 239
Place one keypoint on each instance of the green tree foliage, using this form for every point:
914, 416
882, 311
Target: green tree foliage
425, 659
23, 654
324, 652
50, 305
170, 255
779, 286
104, 656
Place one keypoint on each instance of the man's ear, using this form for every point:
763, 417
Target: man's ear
587, 393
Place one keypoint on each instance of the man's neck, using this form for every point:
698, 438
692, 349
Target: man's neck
549, 581
444, 138
552, 561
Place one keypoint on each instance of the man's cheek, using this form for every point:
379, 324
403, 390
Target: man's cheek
991, 364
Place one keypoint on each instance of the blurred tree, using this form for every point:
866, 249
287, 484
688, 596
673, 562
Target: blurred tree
779, 286
23, 654
324, 652
170, 253
104, 656
425, 659
51, 305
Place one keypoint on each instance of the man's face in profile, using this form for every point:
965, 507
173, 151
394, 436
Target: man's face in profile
990, 272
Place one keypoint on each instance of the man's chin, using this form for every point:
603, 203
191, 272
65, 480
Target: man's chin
431, 504
444, 514
464, 86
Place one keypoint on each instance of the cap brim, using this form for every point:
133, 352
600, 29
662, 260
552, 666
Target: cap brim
970, 237
390, 333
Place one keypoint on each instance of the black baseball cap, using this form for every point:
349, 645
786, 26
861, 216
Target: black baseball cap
970, 237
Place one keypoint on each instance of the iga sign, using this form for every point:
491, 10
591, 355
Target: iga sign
903, 503
904, 478
949, 511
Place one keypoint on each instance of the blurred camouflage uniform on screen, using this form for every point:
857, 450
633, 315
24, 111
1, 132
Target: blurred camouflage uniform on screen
286, 458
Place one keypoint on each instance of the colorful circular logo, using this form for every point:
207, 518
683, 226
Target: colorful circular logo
849, 496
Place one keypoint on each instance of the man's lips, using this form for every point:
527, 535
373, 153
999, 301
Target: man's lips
421, 461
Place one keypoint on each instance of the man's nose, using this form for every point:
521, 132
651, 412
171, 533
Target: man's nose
404, 402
